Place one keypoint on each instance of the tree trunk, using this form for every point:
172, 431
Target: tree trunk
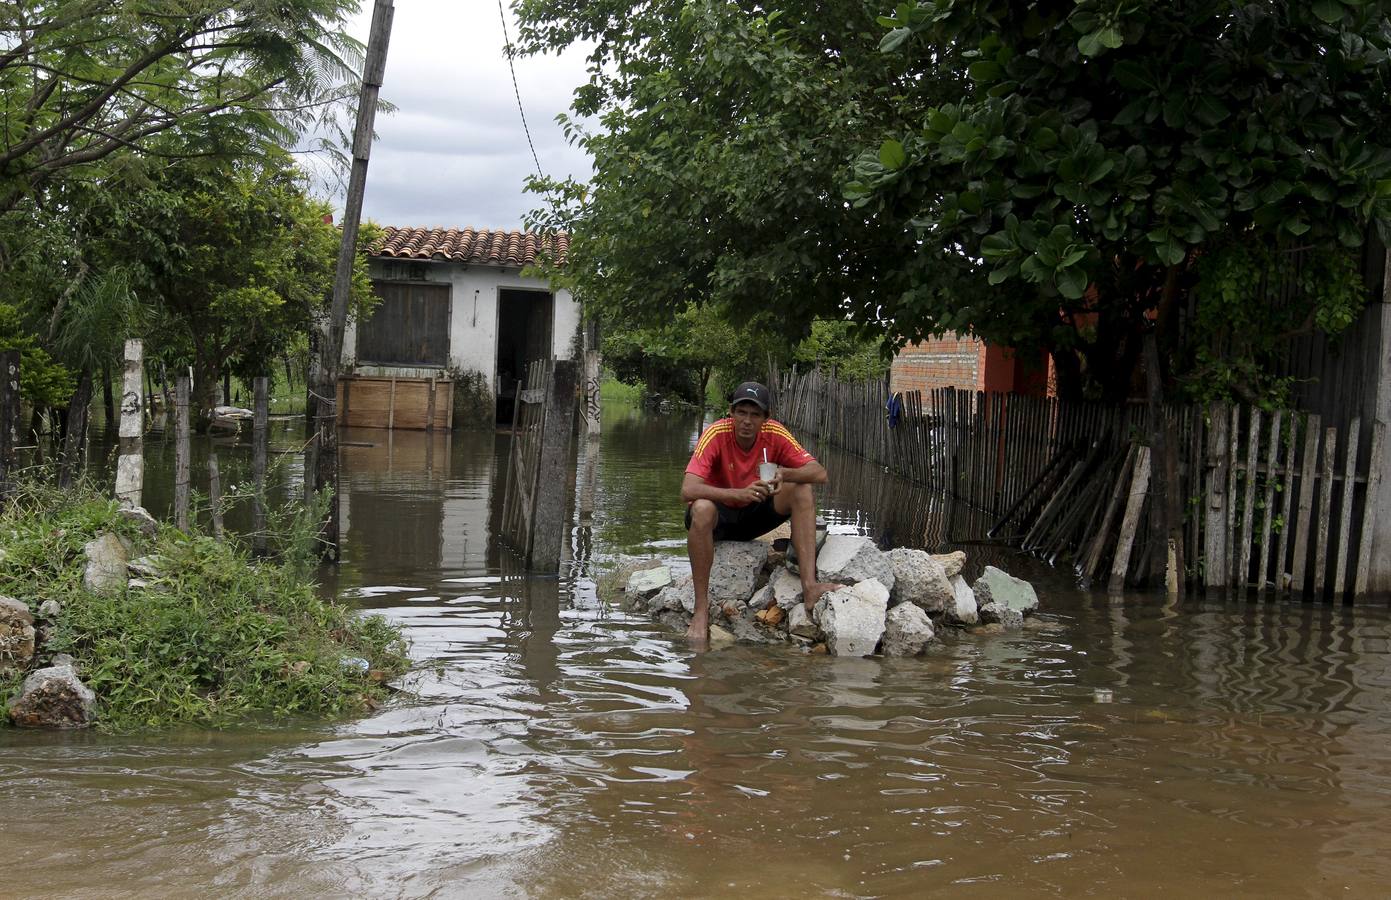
226, 388
1067, 374
1166, 494
108, 397
205, 391
74, 446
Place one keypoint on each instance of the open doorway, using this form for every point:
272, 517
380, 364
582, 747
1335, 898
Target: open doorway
523, 336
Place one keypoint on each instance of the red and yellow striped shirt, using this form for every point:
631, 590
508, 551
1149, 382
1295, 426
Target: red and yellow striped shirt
719, 460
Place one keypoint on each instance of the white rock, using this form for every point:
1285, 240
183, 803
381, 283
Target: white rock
800, 623
50, 609
919, 579
850, 559
999, 613
720, 637
644, 582
735, 570
106, 564
999, 587
762, 598
951, 563
142, 519
677, 595
145, 566
787, 588
907, 631
852, 618
962, 610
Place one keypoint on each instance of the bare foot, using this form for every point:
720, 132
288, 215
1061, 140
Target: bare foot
698, 634
813, 593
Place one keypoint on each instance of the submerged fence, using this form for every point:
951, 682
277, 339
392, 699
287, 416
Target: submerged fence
1273, 501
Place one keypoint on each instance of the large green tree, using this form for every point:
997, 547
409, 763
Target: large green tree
1054, 174
248, 265
1089, 162
86, 81
721, 135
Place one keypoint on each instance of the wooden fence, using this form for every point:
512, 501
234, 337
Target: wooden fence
1273, 501
540, 481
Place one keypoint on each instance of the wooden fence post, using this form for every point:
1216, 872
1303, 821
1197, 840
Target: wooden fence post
592, 422
1330, 452
181, 451
260, 440
9, 418
214, 489
1134, 504
75, 441
1215, 547
130, 465
1305, 510
1369, 512
551, 500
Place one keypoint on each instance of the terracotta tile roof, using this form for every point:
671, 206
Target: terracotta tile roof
469, 245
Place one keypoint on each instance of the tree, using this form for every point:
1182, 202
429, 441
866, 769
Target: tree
1090, 162
250, 265
702, 345
725, 134
85, 81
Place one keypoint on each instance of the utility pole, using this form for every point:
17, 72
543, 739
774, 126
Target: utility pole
324, 393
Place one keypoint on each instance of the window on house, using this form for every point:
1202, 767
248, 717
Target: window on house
409, 327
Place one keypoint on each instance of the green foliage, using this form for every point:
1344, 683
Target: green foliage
702, 354
86, 84
1086, 151
834, 344
42, 381
1252, 298
1039, 174
237, 262
214, 639
723, 135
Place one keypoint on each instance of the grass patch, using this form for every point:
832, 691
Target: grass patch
216, 638
615, 391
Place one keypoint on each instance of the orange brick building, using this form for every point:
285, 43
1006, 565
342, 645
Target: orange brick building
968, 363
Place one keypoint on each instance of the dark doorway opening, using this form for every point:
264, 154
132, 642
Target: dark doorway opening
523, 336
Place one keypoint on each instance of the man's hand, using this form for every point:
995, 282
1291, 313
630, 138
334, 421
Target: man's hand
754, 493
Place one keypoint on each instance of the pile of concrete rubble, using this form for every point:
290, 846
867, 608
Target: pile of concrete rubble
894, 603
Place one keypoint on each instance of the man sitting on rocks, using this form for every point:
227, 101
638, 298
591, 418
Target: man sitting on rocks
727, 500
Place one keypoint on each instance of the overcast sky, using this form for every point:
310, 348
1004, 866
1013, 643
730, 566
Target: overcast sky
454, 153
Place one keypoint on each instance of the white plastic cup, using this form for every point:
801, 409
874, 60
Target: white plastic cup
767, 471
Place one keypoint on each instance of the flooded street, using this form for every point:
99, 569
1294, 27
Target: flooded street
548, 746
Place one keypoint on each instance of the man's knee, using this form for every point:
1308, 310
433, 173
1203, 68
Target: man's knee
794, 497
704, 515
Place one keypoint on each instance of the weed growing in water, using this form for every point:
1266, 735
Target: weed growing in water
214, 638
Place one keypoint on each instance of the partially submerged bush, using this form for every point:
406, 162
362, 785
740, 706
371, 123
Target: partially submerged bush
214, 638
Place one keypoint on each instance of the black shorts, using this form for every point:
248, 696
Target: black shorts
744, 523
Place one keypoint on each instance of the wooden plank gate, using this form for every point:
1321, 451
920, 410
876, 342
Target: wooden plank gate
536, 500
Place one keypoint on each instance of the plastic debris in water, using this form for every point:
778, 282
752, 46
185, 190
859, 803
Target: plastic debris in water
1103, 695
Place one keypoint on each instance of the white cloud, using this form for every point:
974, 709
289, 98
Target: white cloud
454, 153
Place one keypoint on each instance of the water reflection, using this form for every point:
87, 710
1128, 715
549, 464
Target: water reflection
547, 746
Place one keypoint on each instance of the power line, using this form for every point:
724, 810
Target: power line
502, 14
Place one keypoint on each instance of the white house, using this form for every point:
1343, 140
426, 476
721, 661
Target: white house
457, 313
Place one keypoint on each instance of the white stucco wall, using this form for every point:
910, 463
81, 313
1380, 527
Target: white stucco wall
473, 315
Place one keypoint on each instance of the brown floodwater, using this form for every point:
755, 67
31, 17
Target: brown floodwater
548, 746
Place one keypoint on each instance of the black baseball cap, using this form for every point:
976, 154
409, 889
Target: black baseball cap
753, 392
